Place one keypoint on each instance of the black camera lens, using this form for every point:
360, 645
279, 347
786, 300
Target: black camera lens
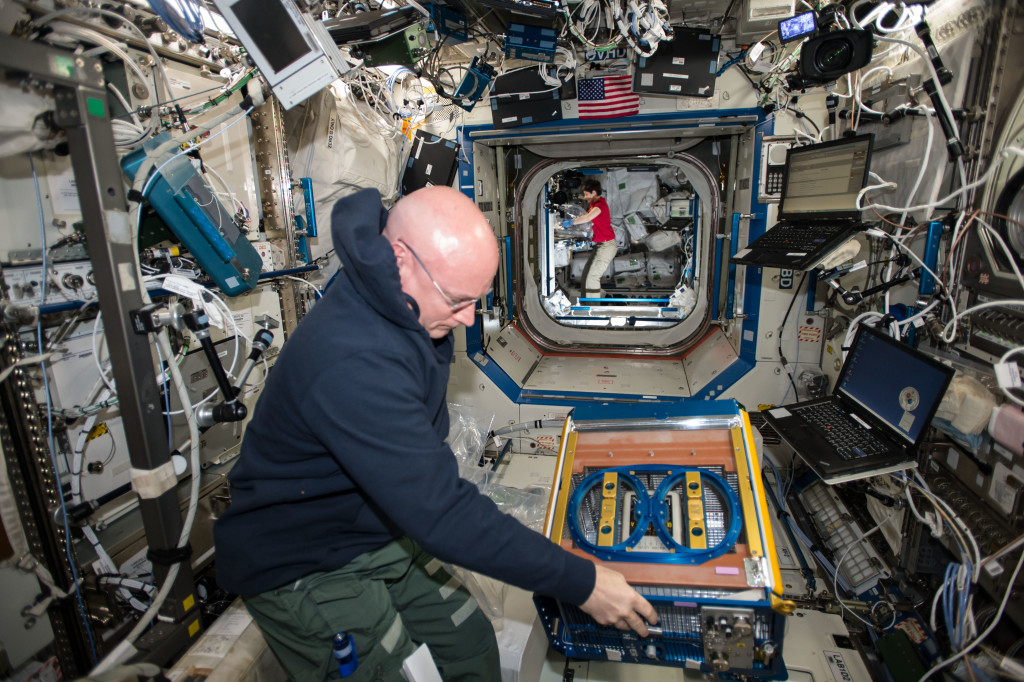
833, 55
827, 57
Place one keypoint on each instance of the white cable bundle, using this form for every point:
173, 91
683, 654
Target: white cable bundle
908, 16
644, 25
586, 13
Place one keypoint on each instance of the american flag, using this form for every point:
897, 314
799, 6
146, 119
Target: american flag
607, 97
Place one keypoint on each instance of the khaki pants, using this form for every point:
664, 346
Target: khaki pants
599, 261
390, 600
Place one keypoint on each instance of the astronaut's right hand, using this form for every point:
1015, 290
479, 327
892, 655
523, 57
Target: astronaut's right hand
615, 602
566, 222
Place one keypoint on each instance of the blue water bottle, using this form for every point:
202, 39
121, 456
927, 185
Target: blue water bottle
345, 654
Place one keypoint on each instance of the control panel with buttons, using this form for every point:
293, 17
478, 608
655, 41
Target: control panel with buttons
67, 282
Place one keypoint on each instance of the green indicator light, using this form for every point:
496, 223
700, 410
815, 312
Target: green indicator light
96, 107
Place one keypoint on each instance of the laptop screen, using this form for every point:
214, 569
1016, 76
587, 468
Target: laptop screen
822, 180
897, 384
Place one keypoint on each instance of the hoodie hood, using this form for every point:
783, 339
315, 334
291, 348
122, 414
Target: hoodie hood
368, 259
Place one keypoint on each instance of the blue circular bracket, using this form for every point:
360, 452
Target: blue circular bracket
732, 504
654, 511
643, 503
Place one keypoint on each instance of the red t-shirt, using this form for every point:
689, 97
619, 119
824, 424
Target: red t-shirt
603, 231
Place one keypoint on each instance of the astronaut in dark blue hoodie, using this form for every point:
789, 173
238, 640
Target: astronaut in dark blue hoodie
345, 491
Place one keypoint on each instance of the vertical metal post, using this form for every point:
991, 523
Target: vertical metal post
81, 109
510, 294
716, 281
730, 293
35, 489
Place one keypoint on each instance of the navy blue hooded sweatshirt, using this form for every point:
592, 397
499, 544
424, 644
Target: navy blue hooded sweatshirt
345, 451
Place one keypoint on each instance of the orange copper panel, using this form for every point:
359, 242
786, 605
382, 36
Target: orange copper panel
725, 572
705, 447
713, 447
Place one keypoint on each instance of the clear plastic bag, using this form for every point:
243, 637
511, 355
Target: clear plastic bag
467, 437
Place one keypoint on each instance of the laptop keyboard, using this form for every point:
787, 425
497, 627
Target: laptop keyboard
803, 238
850, 439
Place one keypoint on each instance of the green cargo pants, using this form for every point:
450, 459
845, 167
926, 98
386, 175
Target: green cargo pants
390, 600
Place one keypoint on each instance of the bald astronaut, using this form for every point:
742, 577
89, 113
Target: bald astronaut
346, 498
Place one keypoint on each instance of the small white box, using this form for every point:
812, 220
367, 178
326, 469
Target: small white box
272, 255
679, 208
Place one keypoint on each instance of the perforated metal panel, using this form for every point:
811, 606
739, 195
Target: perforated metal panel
683, 622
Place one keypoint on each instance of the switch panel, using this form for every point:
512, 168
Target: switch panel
729, 638
68, 282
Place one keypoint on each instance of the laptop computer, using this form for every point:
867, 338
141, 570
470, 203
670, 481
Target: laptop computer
371, 25
885, 396
533, 8
818, 211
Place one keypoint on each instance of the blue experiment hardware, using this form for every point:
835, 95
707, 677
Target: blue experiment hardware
450, 23
305, 229
472, 88
535, 43
192, 212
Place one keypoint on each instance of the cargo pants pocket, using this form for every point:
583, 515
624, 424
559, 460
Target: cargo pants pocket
363, 608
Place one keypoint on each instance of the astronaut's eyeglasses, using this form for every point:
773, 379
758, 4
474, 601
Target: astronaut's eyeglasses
454, 305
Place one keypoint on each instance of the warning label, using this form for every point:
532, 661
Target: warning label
809, 334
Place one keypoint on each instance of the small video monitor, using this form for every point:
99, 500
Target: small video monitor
293, 50
800, 26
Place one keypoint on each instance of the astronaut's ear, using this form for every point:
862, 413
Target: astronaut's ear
403, 256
